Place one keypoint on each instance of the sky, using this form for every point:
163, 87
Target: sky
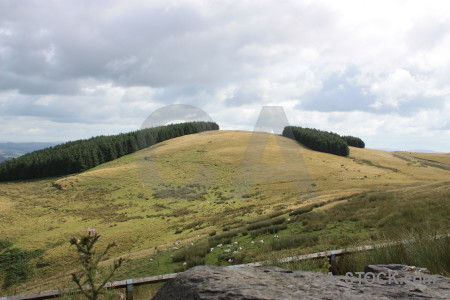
379, 70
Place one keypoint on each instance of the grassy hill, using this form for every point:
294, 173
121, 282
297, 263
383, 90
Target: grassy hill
182, 190
441, 160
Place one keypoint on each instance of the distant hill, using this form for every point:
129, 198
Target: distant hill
81, 155
10, 150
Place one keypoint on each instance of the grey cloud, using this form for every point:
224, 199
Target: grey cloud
168, 46
187, 94
30, 107
175, 112
339, 94
62, 110
84, 47
242, 96
418, 104
149, 54
37, 85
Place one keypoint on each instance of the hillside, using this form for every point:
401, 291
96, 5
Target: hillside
209, 181
82, 155
439, 160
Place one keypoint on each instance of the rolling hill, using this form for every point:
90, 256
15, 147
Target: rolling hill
184, 189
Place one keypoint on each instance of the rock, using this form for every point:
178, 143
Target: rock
401, 269
211, 282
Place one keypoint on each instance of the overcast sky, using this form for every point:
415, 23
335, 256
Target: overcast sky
379, 70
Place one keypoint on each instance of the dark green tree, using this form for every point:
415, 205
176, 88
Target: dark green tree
354, 141
318, 140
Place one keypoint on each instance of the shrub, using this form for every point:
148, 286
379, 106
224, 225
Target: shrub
301, 210
305, 209
189, 252
5, 244
293, 242
269, 230
192, 225
266, 223
276, 214
314, 227
193, 261
223, 238
258, 220
15, 264
179, 212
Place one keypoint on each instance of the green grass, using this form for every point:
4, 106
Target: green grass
17, 265
297, 241
297, 238
423, 248
268, 230
266, 223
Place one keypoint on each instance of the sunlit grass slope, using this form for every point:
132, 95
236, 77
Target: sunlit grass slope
443, 158
183, 189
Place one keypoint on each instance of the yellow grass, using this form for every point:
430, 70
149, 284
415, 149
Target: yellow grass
443, 158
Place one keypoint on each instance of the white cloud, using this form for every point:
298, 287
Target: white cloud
399, 86
98, 67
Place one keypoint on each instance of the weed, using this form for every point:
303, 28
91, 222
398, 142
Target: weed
89, 280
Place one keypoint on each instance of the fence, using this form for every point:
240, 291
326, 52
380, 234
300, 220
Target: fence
129, 284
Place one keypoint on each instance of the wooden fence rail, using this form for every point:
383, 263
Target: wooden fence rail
129, 284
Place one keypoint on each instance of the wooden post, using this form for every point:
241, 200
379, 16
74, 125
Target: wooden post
129, 292
332, 261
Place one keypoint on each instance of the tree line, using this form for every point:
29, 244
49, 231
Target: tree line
354, 141
81, 155
323, 141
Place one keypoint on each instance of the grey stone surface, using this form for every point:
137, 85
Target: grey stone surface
210, 282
